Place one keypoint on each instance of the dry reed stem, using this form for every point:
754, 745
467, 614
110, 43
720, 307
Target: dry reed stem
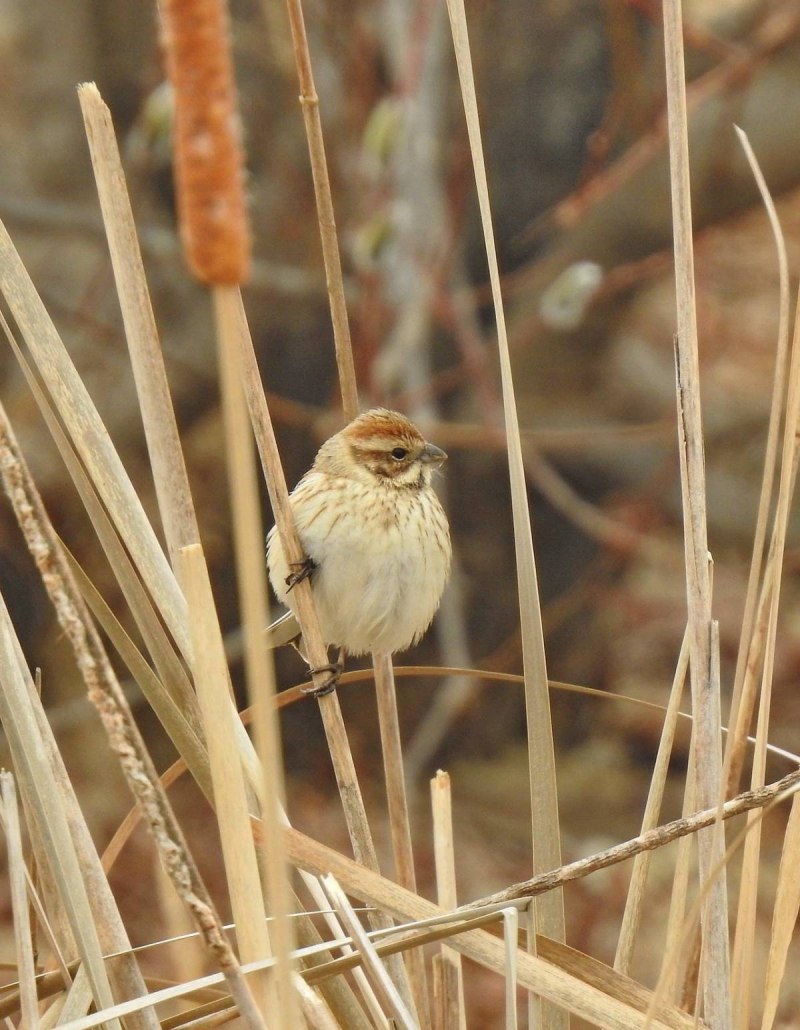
23, 941
315, 648
161, 431
715, 951
230, 796
309, 103
542, 772
259, 669
207, 148
91, 439
453, 1014
632, 915
399, 823
741, 711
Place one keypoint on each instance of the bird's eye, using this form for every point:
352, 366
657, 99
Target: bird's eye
398, 453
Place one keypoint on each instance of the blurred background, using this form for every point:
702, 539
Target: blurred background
572, 106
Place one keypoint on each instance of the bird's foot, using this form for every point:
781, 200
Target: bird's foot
327, 686
300, 570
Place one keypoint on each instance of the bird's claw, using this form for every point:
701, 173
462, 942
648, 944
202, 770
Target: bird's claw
336, 669
301, 570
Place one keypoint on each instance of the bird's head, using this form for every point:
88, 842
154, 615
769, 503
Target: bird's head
381, 445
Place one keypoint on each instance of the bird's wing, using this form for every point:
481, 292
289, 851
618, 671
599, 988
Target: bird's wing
283, 631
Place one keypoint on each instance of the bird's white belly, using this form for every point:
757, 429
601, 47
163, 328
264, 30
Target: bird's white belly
377, 587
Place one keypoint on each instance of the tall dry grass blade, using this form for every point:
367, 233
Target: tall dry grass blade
784, 916
745, 924
632, 915
381, 981
23, 950
309, 103
91, 439
399, 823
46, 809
259, 668
161, 431
741, 711
542, 772
708, 758
230, 796
454, 1015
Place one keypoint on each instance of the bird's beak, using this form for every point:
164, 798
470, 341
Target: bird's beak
432, 455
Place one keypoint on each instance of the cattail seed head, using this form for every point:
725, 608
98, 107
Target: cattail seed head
208, 151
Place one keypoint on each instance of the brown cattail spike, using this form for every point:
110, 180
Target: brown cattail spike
207, 140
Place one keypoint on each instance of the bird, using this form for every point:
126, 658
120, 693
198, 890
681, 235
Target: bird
375, 538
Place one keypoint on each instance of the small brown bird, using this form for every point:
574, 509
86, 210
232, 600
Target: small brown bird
375, 537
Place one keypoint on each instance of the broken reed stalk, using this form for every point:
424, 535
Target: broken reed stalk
708, 756
452, 1012
108, 698
397, 802
152, 388
210, 672
549, 913
309, 103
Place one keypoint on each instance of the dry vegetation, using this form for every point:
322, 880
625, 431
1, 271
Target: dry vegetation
367, 889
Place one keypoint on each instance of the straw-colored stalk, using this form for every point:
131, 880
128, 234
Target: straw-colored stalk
309, 102
152, 389
705, 704
230, 795
399, 824
549, 912
449, 977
